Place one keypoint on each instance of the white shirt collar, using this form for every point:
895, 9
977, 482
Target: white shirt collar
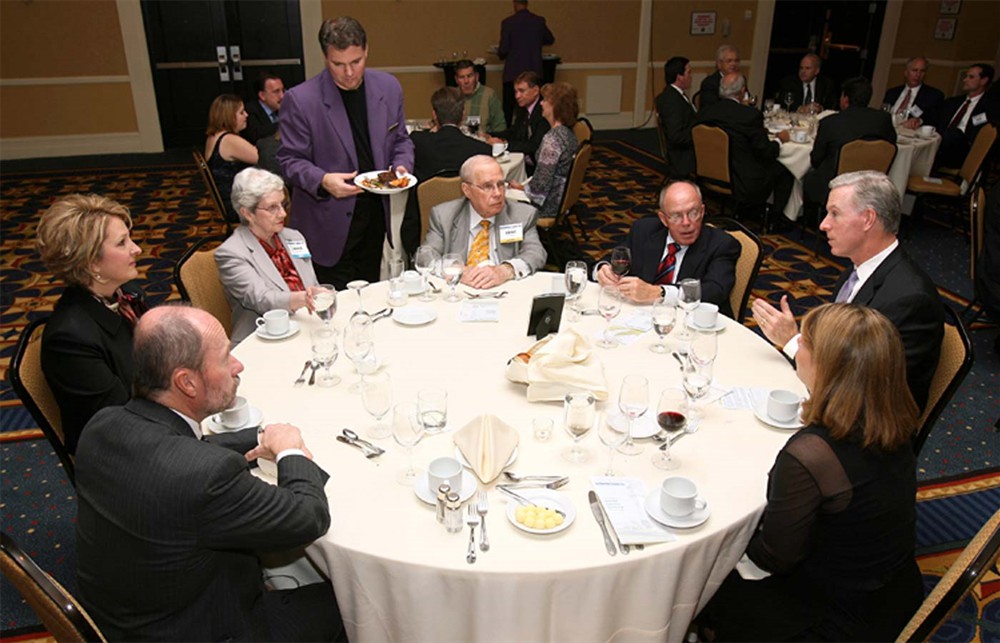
195, 427
866, 269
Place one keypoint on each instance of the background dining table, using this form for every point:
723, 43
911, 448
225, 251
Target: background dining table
399, 576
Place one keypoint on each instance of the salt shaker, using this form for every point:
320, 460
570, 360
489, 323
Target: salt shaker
442, 500
453, 513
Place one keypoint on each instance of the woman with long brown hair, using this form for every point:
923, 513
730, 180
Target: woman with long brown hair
226, 155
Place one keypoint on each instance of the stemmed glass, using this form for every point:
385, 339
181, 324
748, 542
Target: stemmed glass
689, 297
452, 266
576, 282
325, 303
621, 260
579, 413
613, 439
704, 347
664, 316
670, 416
697, 383
359, 346
376, 395
325, 351
609, 304
424, 261
788, 99
407, 431
357, 285
633, 400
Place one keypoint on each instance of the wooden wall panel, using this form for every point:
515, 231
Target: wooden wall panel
61, 110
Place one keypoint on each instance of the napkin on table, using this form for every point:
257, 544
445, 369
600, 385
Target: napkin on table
557, 365
487, 444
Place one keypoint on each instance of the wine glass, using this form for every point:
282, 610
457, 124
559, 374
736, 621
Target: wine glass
407, 431
689, 297
609, 304
704, 347
621, 260
633, 400
613, 439
424, 261
768, 105
664, 316
325, 303
697, 383
579, 413
670, 416
789, 98
576, 282
357, 285
325, 351
452, 266
376, 395
359, 346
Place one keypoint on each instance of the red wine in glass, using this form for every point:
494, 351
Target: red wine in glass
621, 260
671, 421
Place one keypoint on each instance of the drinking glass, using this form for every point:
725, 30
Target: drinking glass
325, 351
432, 409
788, 99
689, 297
359, 346
325, 303
407, 431
613, 439
424, 261
579, 412
576, 282
609, 304
768, 105
357, 285
704, 347
671, 418
664, 316
697, 383
621, 261
633, 400
451, 266
376, 395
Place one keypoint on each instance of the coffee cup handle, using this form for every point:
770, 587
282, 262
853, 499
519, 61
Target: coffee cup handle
260, 322
699, 503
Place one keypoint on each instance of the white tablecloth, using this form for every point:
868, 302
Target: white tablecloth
400, 577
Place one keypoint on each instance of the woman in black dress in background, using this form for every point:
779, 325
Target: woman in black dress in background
226, 152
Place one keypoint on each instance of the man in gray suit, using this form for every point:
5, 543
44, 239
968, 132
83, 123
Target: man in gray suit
170, 523
497, 237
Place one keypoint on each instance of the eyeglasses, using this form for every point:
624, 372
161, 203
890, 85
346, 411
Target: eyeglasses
499, 186
693, 216
276, 209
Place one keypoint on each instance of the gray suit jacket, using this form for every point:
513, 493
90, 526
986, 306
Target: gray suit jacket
253, 285
448, 231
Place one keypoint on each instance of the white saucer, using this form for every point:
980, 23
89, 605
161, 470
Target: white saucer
465, 463
293, 327
645, 426
546, 498
720, 324
413, 315
760, 410
656, 512
214, 422
422, 488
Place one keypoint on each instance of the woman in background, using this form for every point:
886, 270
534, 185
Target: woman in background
226, 155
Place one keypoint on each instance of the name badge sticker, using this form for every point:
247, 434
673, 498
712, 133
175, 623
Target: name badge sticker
916, 112
511, 233
298, 249
979, 119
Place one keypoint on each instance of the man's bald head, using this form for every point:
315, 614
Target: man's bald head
167, 338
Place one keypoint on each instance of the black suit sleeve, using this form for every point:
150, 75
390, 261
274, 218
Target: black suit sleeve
675, 123
762, 146
720, 274
919, 319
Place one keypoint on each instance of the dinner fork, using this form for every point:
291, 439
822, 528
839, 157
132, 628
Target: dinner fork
302, 375
472, 519
482, 507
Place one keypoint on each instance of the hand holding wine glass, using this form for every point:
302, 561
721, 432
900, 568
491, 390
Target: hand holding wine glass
633, 400
621, 261
609, 304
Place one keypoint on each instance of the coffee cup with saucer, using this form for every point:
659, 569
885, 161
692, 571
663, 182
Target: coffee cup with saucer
676, 503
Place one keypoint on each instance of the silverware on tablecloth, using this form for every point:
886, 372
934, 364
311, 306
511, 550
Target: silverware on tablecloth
354, 438
669, 443
482, 507
680, 360
368, 453
472, 519
514, 477
433, 288
312, 378
382, 314
505, 489
530, 484
302, 375
595, 508
590, 311
486, 295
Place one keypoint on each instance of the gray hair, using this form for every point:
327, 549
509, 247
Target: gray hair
469, 167
250, 186
733, 89
721, 51
876, 191
162, 344
341, 33
816, 59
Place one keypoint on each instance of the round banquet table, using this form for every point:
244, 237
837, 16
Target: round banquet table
399, 576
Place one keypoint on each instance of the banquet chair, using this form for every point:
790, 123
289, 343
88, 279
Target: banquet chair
747, 266
583, 129
977, 221
28, 381
213, 189
440, 188
953, 366
978, 557
711, 152
860, 155
696, 100
60, 613
568, 207
661, 136
197, 278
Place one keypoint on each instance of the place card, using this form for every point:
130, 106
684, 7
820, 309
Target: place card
627, 330
479, 311
740, 397
624, 502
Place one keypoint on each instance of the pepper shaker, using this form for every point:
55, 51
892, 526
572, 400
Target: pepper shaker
453, 513
442, 500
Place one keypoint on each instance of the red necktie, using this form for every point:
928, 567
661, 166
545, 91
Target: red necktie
960, 114
905, 105
665, 271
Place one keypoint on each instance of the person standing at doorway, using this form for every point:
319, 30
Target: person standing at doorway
522, 37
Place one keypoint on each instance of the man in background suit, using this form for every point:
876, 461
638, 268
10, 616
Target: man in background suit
522, 37
343, 121
262, 114
170, 524
676, 114
808, 86
913, 98
727, 61
959, 119
529, 127
497, 237
863, 213
855, 121
673, 246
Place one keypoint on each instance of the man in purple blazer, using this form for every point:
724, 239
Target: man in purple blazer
522, 37
339, 123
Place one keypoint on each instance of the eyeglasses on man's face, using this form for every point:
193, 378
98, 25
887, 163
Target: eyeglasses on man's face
693, 216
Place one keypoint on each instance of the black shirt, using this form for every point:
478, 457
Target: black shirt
357, 115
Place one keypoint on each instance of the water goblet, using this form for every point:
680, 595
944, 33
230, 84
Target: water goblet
768, 105
407, 432
452, 265
376, 395
633, 400
357, 286
664, 316
688, 296
609, 304
671, 419
621, 260
325, 303
359, 346
325, 351
613, 439
424, 261
576, 283
788, 99
697, 384
704, 347
579, 413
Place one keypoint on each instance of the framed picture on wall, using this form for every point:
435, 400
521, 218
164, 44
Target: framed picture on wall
945, 29
951, 7
702, 23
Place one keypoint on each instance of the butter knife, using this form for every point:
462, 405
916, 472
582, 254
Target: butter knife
595, 507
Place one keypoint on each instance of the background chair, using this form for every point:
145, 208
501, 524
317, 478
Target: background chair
977, 221
28, 380
747, 266
583, 129
979, 555
213, 189
569, 206
860, 155
953, 366
711, 152
58, 611
436, 190
197, 278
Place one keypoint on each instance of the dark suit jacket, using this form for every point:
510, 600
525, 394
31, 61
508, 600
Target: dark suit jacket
259, 123
677, 118
833, 132
526, 134
826, 92
954, 143
749, 148
711, 258
928, 99
709, 92
86, 358
169, 526
902, 291
522, 37
988, 262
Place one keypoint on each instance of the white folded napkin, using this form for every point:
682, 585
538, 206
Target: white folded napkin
557, 365
487, 444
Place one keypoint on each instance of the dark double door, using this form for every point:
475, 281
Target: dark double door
199, 49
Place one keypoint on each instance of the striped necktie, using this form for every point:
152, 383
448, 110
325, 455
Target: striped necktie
905, 105
665, 271
480, 250
808, 98
960, 114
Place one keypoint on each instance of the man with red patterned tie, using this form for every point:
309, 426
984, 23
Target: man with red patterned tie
960, 118
913, 98
673, 246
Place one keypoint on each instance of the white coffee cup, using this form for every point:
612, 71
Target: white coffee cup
275, 322
926, 130
499, 148
799, 135
782, 406
442, 470
706, 315
679, 497
236, 416
412, 281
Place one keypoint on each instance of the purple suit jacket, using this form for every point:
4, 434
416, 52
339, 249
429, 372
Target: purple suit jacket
522, 37
316, 139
